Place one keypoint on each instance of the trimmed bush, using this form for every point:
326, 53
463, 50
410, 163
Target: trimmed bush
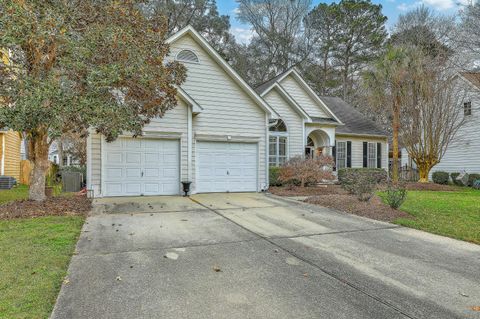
472, 178
395, 195
440, 177
453, 177
349, 177
273, 173
306, 171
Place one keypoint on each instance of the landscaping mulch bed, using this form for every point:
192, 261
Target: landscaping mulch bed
431, 187
306, 191
374, 208
73, 205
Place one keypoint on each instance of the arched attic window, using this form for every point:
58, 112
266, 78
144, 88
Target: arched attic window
278, 143
187, 56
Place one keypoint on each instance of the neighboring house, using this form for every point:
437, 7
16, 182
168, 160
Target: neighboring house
223, 135
10, 153
68, 159
9, 141
463, 153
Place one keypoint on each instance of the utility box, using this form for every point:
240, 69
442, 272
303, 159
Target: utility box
72, 181
7, 182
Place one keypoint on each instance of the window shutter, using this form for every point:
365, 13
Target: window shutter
379, 155
349, 154
365, 150
334, 155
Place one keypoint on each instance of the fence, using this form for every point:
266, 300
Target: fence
407, 174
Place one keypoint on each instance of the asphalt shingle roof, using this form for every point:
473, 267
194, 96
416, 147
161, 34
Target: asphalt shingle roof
472, 77
355, 122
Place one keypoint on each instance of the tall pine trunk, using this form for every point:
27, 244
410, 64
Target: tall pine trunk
395, 128
39, 157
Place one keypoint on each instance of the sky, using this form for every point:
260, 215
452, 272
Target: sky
391, 8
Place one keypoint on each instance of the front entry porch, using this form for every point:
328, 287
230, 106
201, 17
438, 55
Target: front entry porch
318, 143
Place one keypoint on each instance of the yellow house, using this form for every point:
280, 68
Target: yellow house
10, 142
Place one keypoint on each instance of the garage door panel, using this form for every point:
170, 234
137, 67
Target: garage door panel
142, 167
133, 158
114, 173
115, 158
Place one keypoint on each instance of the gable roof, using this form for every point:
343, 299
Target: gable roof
264, 88
355, 122
472, 77
224, 65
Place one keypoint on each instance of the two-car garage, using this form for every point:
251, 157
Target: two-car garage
149, 166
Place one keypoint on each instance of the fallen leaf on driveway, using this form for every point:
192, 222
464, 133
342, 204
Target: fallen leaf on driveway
171, 256
66, 281
476, 308
216, 268
305, 275
463, 294
119, 278
131, 234
184, 220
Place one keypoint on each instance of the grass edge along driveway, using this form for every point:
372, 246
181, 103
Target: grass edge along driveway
34, 256
453, 214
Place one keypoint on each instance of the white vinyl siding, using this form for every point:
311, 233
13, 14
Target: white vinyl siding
357, 149
292, 119
302, 97
228, 110
341, 150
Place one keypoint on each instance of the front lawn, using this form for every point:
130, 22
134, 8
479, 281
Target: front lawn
453, 214
34, 256
18, 192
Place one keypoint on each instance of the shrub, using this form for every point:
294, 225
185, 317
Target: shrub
440, 177
273, 173
476, 184
306, 171
472, 178
395, 195
453, 177
349, 177
364, 187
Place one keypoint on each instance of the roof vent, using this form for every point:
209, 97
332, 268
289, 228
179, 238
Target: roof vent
187, 56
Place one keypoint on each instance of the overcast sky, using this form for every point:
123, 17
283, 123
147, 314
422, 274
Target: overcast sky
391, 8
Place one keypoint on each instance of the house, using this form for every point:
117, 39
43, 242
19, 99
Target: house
463, 153
311, 125
223, 135
10, 153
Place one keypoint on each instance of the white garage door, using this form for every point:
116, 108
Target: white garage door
141, 167
226, 167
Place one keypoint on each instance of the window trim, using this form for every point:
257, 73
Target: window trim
374, 158
467, 108
277, 156
187, 61
337, 148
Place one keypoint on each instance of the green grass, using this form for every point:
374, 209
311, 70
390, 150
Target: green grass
18, 192
452, 214
34, 256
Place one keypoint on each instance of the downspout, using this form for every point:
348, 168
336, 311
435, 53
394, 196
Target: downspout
267, 141
189, 143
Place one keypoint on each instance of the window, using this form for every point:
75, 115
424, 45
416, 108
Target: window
341, 155
278, 143
187, 56
467, 108
372, 155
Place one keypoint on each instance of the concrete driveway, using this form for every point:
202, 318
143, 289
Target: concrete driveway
254, 256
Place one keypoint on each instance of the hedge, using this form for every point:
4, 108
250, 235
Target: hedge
440, 177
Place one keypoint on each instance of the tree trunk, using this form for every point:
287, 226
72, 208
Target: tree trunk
423, 171
60, 151
39, 157
395, 128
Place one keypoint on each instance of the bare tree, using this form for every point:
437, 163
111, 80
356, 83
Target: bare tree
433, 115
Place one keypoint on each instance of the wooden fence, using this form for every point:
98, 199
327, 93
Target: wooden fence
25, 168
